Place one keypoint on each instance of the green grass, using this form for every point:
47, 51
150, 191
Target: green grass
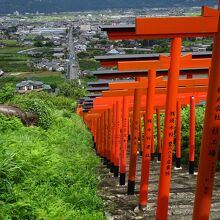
48, 175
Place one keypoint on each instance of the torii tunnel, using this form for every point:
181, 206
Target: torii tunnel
163, 83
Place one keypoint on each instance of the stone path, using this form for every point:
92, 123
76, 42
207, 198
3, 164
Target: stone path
120, 206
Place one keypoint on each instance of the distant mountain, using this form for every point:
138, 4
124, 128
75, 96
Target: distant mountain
9, 6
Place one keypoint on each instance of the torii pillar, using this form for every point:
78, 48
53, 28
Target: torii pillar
210, 138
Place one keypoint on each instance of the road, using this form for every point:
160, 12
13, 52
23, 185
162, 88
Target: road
72, 70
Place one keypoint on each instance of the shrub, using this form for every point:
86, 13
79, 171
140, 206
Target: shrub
72, 89
7, 93
9, 123
38, 107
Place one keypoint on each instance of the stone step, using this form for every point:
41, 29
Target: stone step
120, 206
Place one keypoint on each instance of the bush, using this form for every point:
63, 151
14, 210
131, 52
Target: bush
54, 102
7, 93
72, 89
200, 111
9, 123
38, 107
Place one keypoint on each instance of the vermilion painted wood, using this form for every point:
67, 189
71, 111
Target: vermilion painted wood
133, 175
117, 137
192, 135
152, 141
140, 136
192, 129
158, 134
102, 136
160, 82
159, 99
164, 63
148, 135
210, 109
120, 93
113, 137
111, 61
171, 27
209, 144
107, 156
134, 141
207, 23
110, 118
125, 119
178, 134
166, 160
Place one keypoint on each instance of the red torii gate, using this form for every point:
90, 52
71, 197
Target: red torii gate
143, 83
112, 60
188, 82
162, 63
177, 27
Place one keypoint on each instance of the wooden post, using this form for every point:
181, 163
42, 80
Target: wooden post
158, 135
178, 135
192, 135
152, 141
210, 138
134, 141
147, 138
117, 138
166, 160
123, 155
141, 137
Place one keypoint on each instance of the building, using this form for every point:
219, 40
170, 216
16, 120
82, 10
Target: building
29, 85
50, 31
1, 73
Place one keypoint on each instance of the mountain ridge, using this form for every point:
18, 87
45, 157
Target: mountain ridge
48, 6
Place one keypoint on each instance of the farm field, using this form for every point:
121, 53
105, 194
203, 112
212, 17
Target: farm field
11, 61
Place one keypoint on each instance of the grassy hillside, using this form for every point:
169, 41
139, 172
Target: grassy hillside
47, 171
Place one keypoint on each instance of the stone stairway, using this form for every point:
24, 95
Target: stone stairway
120, 206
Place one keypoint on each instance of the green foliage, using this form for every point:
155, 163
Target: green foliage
49, 174
7, 93
9, 123
200, 110
53, 81
67, 114
54, 102
88, 64
89, 54
71, 89
38, 107
86, 79
13, 80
